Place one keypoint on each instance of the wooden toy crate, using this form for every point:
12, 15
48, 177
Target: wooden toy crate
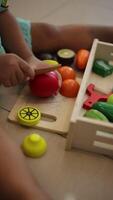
90, 134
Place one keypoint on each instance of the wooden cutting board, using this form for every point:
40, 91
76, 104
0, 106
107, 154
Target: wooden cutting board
56, 111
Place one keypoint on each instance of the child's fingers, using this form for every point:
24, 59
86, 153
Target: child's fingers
20, 76
13, 80
7, 83
27, 70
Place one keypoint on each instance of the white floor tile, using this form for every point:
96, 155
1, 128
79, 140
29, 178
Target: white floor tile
84, 12
35, 9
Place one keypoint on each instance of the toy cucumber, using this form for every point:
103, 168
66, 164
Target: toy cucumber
95, 114
105, 108
65, 56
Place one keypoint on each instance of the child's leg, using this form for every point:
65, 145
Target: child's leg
49, 37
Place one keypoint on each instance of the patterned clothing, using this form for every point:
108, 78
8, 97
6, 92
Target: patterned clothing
3, 5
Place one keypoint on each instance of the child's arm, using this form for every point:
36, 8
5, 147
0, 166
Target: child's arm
14, 42
48, 37
12, 37
16, 182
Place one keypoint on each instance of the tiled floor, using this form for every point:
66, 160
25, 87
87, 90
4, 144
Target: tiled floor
65, 175
65, 11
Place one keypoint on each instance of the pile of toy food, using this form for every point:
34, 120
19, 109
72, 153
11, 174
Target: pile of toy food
101, 106
64, 79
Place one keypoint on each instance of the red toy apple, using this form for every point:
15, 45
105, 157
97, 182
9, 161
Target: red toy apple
44, 85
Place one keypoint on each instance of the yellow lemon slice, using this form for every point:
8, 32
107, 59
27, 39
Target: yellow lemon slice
28, 116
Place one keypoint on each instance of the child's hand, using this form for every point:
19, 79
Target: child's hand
14, 70
36, 64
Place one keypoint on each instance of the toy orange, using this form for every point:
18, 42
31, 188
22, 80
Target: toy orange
69, 88
67, 73
81, 59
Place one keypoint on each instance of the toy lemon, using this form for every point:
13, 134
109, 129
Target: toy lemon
28, 116
51, 62
34, 145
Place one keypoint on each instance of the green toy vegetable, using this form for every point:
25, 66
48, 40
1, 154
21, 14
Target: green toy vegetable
105, 108
110, 99
102, 68
95, 114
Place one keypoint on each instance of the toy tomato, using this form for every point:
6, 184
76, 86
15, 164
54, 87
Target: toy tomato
69, 88
81, 59
67, 73
44, 85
